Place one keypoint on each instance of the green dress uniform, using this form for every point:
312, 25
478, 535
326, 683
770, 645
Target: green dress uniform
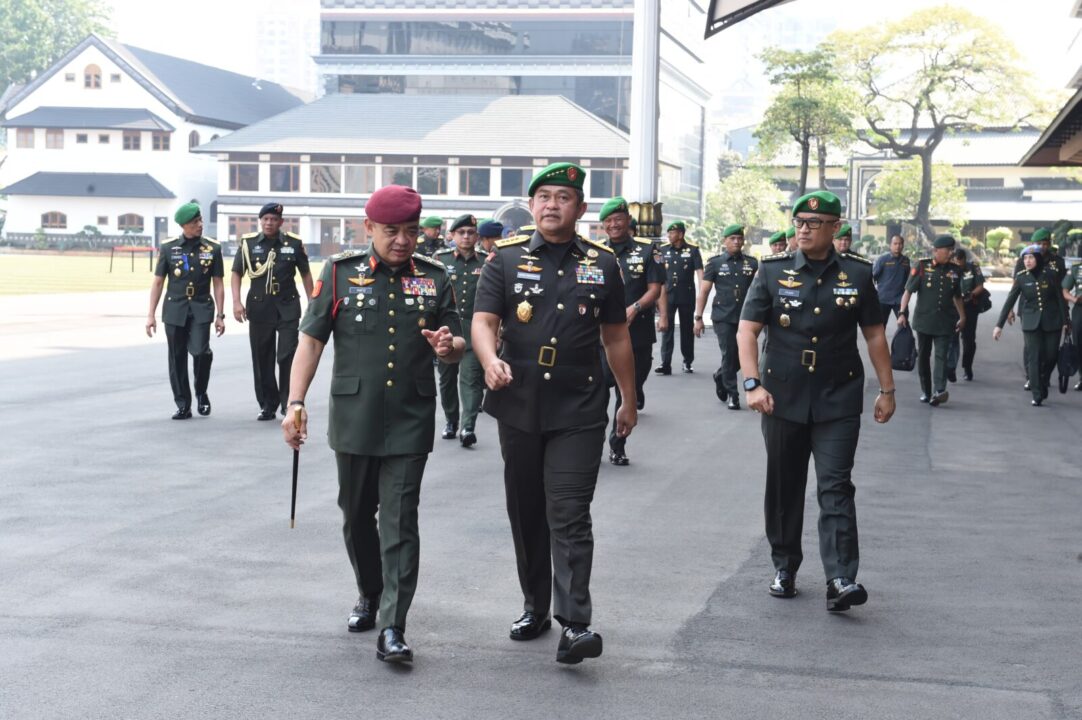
465, 380
1072, 283
935, 286
965, 342
382, 408
188, 265
552, 299
680, 266
732, 276
1043, 313
813, 369
273, 306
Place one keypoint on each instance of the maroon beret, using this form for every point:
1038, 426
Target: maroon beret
393, 204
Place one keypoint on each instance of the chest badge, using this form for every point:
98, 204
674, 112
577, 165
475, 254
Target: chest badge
362, 281
783, 320
842, 277
789, 282
524, 311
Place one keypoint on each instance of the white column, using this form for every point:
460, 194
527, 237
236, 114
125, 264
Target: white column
641, 181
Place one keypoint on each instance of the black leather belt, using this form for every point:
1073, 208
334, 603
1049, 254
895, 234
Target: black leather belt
552, 356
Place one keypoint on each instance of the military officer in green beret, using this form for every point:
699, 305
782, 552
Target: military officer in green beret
554, 294
778, 242
390, 310
810, 389
271, 259
1043, 311
936, 282
192, 264
465, 380
843, 239
683, 274
643, 277
431, 240
730, 274
1072, 293
790, 238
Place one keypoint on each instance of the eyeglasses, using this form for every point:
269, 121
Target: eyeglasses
812, 223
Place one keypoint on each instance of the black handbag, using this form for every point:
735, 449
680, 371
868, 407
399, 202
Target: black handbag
984, 302
903, 350
1067, 364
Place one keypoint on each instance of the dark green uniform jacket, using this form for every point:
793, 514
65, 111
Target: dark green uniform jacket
732, 276
1041, 305
811, 365
680, 266
383, 390
189, 264
935, 287
640, 265
1072, 283
465, 272
273, 295
1051, 261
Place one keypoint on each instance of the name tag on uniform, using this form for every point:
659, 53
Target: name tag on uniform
418, 286
789, 292
528, 276
845, 291
589, 275
206, 256
360, 291
476, 271
288, 250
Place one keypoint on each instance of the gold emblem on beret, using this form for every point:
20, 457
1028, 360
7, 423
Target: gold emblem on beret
783, 320
813, 203
524, 311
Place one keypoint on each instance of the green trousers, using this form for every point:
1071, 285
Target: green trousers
1041, 351
933, 376
466, 381
384, 557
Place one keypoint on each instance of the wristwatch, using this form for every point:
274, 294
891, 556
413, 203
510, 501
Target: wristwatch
751, 383
637, 306
221, 316
698, 317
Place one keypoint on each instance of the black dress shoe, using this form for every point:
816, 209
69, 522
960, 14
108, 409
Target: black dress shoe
952, 375
618, 458
265, 414
663, 370
687, 368
391, 646
1078, 386
641, 403
529, 626
467, 438
182, 414
577, 642
968, 375
939, 398
784, 585
719, 389
734, 402
204, 404
843, 593
1026, 386
924, 397
1036, 403
449, 431
363, 615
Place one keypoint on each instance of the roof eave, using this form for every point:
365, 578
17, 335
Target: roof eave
1053, 127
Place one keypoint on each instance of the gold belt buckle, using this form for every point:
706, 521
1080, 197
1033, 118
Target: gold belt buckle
546, 356
189, 292
274, 287
807, 358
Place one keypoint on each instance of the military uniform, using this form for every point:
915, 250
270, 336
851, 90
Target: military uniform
813, 369
552, 300
466, 379
1043, 313
732, 276
964, 343
189, 265
273, 307
1072, 283
382, 408
680, 266
935, 286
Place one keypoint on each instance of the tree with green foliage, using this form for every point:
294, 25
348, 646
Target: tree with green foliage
36, 33
811, 107
897, 193
749, 197
729, 161
939, 70
998, 240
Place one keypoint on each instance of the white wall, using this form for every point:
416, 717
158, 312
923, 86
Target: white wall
24, 213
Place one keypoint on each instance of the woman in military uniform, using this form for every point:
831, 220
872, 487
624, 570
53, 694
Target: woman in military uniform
1044, 317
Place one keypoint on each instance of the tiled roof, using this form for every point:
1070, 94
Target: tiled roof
84, 118
112, 185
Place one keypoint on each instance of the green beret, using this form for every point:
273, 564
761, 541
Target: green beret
186, 213
777, 237
1040, 235
462, 221
564, 173
819, 201
432, 221
790, 231
733, 230
677, 225
616, 204
845, 230
944, 241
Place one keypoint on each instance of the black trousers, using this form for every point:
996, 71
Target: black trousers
1041, 350
643, 357
687, 335
263, 338
730, 359
964, 343
193, 339
549, 479
1076, 331
788, 447
930, 382
887, 308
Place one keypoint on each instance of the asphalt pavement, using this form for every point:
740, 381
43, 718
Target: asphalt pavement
149, 570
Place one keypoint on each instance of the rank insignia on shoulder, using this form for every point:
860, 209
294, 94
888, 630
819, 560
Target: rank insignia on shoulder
776, 256
508, 242
249, 236
345, 255
599, 246
858, 258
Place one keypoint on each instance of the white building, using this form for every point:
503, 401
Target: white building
102, 140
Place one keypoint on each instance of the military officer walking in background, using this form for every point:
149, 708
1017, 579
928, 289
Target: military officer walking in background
1072, 293
431, 241
843, 239
810, 390
683, 273
890, 273
271, 259
465, 380
389, 310
193, 266
936, 282
643, 277
974, 297
730, 274
555, 294
777, 242
790, 237
1042, 238
488, 232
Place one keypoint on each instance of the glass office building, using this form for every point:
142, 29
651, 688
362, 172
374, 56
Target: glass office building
579, 49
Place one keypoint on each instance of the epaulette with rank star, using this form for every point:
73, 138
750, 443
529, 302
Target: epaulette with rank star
293, 235
516, 240
443, 251
430, 260
643, 241
858, 258
211, 240
599, 246
249, 236
345, 255
1023, 270
691, 243
777, 256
